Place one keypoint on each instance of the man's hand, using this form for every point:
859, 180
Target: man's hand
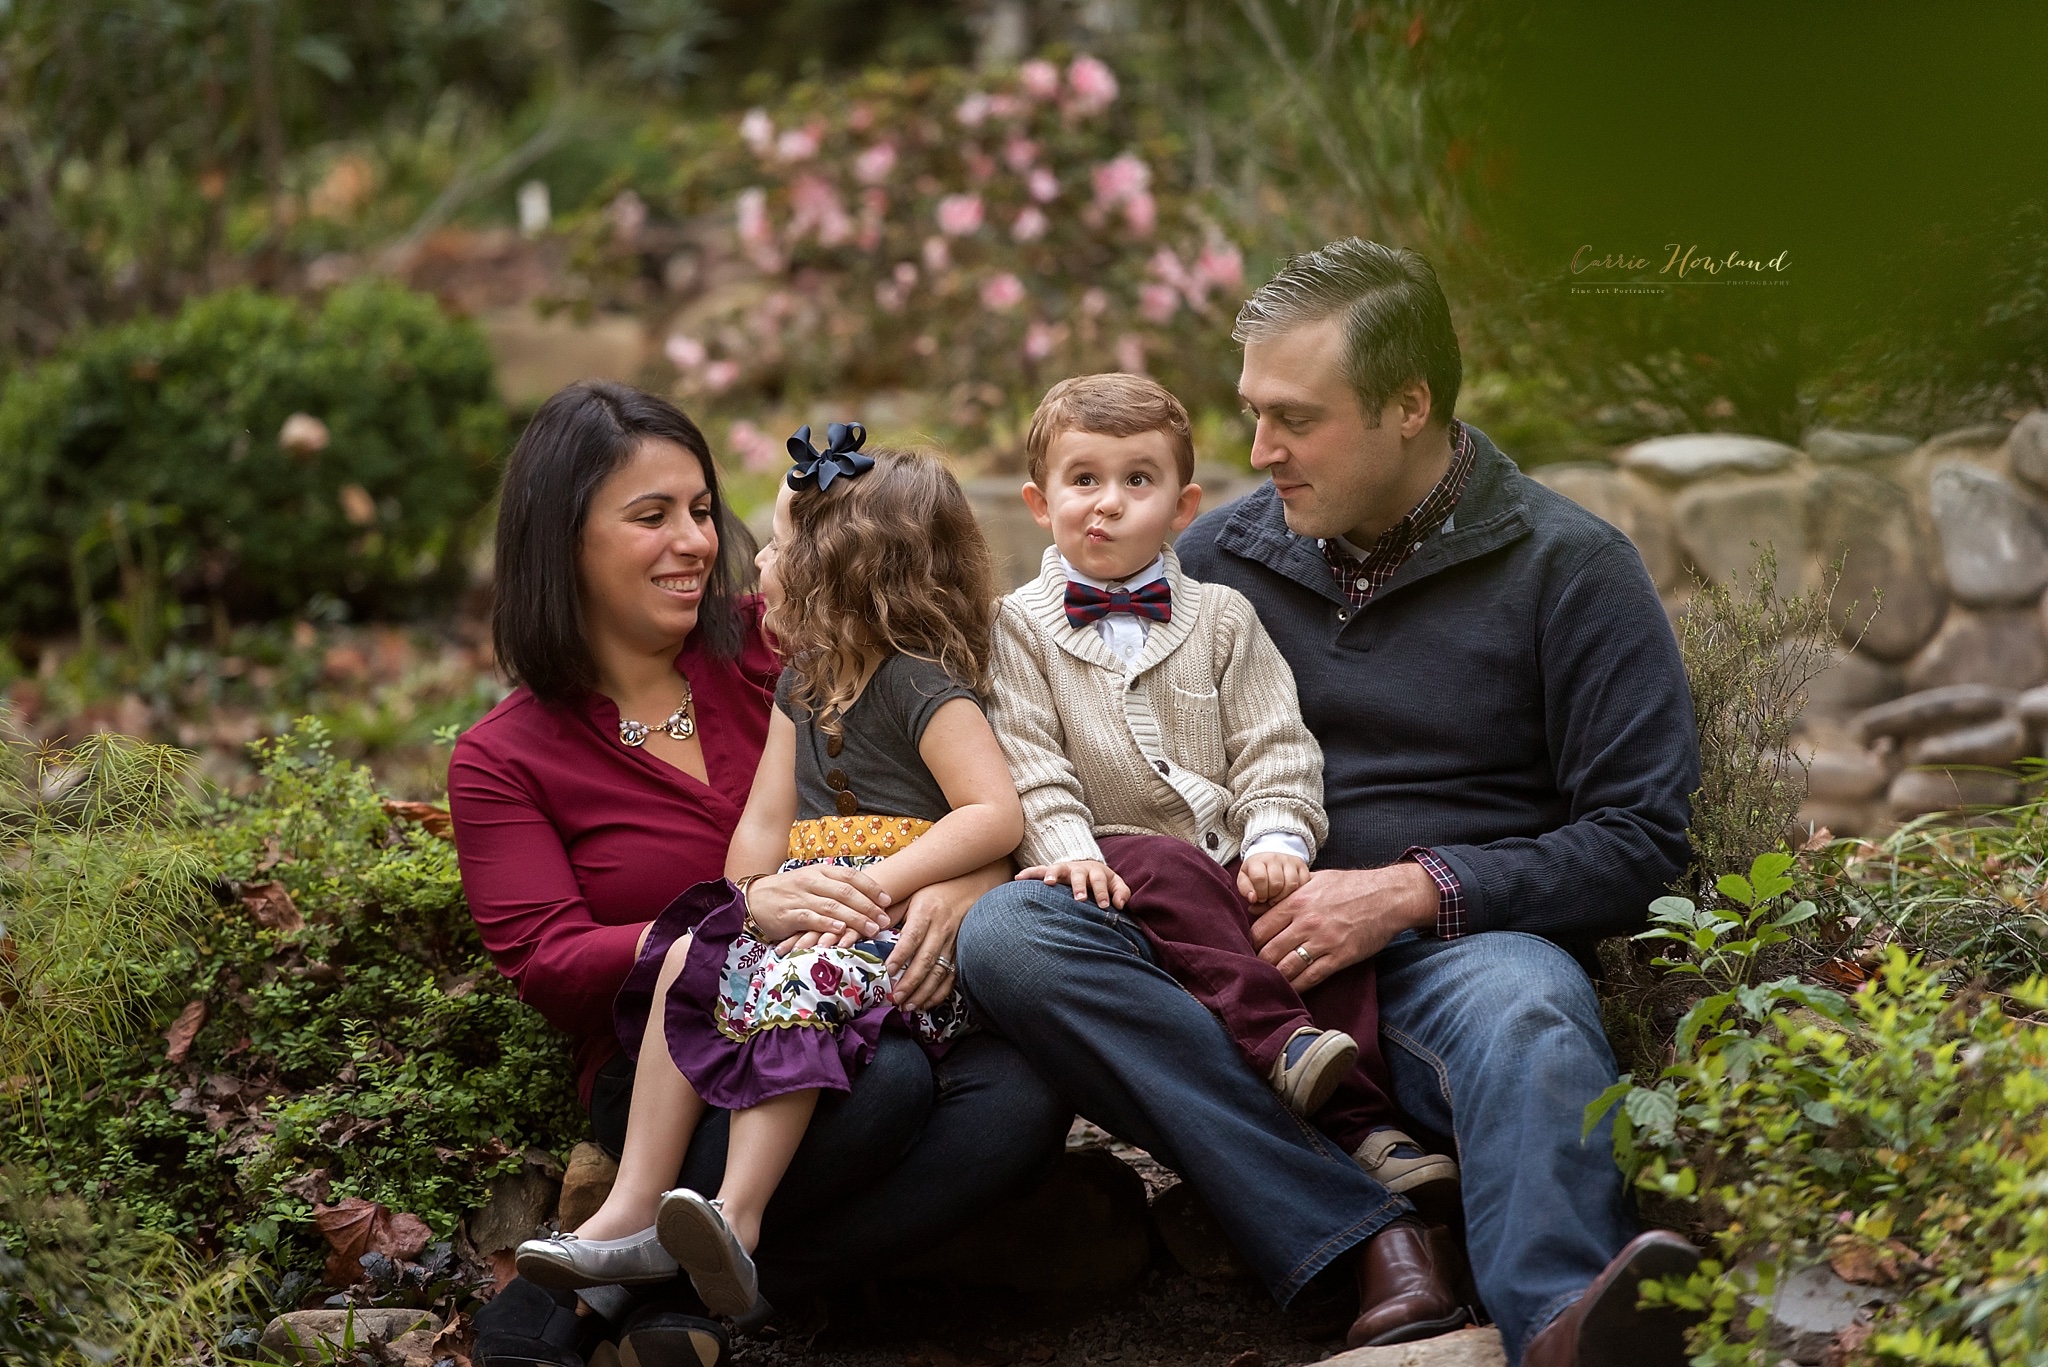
1342, 917
1090, 878
1267, 878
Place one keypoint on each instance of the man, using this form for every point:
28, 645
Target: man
1508, 752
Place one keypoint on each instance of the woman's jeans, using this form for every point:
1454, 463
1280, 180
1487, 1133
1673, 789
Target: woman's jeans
908, 1157
1494, 1041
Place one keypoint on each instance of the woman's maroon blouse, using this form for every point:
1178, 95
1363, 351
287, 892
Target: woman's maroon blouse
570, 843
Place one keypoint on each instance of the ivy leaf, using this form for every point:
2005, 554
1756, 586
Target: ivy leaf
1599, 1106
1652, 1109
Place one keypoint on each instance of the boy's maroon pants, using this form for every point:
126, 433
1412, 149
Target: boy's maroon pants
1201, 926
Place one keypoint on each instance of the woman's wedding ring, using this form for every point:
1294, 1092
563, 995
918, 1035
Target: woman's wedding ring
1306, 957
943, 962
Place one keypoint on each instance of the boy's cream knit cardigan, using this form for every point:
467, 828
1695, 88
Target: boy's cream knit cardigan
1200, 737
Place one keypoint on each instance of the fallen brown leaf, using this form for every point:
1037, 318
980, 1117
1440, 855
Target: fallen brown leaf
183, 1030
503, 1269
356, 1226
435, 819
272, 906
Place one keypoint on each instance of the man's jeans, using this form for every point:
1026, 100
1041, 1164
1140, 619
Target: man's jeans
1493, 1040
1074, 987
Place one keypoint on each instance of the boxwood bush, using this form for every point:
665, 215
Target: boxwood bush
243, 456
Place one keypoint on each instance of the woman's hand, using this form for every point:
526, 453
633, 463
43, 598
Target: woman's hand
820, 900
931, 927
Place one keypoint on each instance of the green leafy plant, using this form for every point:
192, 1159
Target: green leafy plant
242, 457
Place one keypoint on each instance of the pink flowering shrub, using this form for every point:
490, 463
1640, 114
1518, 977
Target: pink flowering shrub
977, 235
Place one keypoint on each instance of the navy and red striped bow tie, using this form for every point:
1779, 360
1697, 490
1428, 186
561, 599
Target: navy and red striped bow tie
1086, 603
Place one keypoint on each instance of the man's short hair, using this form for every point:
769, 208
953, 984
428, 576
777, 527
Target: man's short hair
1397, 323
1110, 405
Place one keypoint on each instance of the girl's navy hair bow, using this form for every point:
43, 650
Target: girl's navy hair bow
841, 457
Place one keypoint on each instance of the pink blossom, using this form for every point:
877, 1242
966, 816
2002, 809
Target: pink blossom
757, 130
980, 165
1094, 303
1165, 264
873, 166
758, 451
628, 215
1043, 185
719, 375
1141, 211
960, 215
1001, 293
753, 217
1039, 78
1041, 339
1019, 154
817, 209
684, 353
1120, 178
1130, 353
1222, 265
1030, 224
937, 255
874, 208
890, 297
1158, 303
1005, 106
1093, 84
861, 117
906, 273
799, 144
973, 110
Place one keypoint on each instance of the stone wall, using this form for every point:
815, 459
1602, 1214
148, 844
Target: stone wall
1947, 539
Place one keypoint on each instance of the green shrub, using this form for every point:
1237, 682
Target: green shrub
1900, 1134
352, 1038
146, 468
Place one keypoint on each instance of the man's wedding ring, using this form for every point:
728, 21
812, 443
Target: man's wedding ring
1306, 957
943, 962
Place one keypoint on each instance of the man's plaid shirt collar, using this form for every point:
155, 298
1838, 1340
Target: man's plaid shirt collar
1362, 577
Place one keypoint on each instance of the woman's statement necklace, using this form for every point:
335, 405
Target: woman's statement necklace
681, 724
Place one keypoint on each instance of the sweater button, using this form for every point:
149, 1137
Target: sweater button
1211, 841
1343, 614
1161, 765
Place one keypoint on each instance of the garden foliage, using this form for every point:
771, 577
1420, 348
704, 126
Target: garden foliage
247, 454
331, 1029
1899, 1134
979, 235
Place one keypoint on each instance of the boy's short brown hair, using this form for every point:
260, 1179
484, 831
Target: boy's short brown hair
1114, 404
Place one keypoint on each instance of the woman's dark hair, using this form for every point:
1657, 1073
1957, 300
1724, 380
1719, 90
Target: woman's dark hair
574, 443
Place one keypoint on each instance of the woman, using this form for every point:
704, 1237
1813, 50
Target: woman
611, 781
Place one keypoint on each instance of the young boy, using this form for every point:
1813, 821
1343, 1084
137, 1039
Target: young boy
1157, 742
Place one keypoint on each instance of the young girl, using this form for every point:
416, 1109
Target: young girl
880, 599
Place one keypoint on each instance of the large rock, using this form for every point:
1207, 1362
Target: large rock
1015, 541
519, 1208
1852, 681
1992, 742
1083, 1229
2003, 647
1845, 776
1622, 501
1696, 455
1888, 599
2028, 446
1464, 1348
2033, 707
1992, 544
1936, 709
1724, 526
1810, 1308
1917, 792
1843, 448
586, 1181
1982, 436
1193, 1237
537, 356
319, 1335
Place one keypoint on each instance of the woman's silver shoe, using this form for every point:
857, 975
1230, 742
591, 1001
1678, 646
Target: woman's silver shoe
695, 1233
564, 1262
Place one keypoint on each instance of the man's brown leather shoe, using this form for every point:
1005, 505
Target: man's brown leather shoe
1404, 1287
1603, 1328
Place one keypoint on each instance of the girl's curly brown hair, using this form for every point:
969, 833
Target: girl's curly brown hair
891, 561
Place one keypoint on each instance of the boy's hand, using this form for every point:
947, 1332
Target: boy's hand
1266, 878
1091, 879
